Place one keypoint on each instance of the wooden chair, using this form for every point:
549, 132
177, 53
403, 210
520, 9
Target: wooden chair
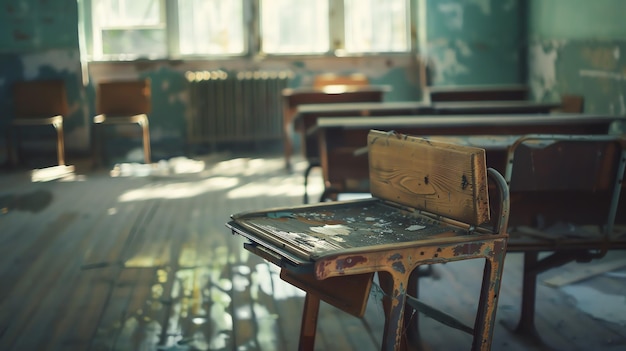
122, 102
330, 79
38, 103
564, 193
572, 104
434, 200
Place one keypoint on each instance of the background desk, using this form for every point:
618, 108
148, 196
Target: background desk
478, 93
340, 137
293, 97
493, 107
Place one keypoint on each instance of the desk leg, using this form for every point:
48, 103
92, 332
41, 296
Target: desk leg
394, 286
486, 313
309, 322
532, 267
287, 134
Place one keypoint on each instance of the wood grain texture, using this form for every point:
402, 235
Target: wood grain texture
445, 179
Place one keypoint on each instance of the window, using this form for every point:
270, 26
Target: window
128, 28
376, 26
289, 26
213, 27
158, 29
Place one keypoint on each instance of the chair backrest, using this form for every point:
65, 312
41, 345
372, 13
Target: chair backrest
444, 179
40, 98
558, 179
572, 104
324, 80
127, 97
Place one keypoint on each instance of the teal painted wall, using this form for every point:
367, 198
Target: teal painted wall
39, 40
473, 42
466, 42
577, 19
579, 47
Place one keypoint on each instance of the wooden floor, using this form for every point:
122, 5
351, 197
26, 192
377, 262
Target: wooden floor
144, 262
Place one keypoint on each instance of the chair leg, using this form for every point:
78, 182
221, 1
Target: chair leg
96, 145
529, 290
146, 143
490, 289
309, 322
10, 150
306, 181
60, 143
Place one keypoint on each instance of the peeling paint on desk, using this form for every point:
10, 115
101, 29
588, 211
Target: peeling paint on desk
332, 230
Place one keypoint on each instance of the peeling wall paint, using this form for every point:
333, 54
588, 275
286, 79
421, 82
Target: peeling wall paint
61, 61
588, 68
542, 72
576, 48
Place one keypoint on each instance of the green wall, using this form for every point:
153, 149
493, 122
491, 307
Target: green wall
474, 42
464, 42
579, 47
577, 19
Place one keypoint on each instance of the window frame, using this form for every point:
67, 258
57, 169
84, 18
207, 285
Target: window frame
251, 39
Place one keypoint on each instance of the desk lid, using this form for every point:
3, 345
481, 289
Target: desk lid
304, 233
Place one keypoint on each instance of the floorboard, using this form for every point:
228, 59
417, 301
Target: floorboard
101, 263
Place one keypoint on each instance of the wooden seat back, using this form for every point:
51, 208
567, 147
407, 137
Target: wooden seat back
444, 179
567, 179
323, 80
572, 104
40, 98
129, 97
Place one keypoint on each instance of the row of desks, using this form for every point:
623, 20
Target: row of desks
339, 139
306, 115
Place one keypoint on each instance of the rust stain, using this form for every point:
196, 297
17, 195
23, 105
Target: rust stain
398, 266
499, 248
395, 257
469, 248
349, 262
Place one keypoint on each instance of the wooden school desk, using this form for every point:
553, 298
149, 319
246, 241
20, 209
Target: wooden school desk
431, 205
292, 97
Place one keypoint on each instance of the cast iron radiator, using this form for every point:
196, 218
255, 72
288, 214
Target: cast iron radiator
243, 106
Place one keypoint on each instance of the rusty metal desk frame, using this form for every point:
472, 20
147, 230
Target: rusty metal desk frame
447, 205
344, 136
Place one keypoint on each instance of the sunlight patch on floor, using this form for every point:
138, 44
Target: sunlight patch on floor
179, 190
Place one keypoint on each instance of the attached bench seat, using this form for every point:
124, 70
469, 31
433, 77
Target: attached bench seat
565, 192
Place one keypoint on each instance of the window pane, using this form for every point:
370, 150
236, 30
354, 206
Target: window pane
135, 43
294, 27
128, 29
376, 25
126, 13
211, 26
